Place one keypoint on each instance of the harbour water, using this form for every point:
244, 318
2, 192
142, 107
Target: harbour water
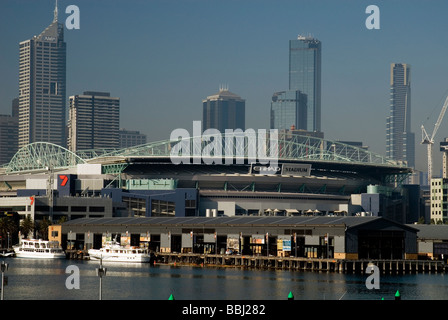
46, 280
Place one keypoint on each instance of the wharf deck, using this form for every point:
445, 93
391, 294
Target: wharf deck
395, 266
299, 263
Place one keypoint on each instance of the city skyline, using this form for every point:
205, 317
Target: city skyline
154, 49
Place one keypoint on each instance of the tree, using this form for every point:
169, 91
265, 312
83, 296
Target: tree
7, 229
27, 226
42, 227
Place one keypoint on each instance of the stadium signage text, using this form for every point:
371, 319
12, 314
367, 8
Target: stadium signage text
256, 168
236, 147
296, 169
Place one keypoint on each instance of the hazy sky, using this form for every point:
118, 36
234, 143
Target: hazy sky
163, 57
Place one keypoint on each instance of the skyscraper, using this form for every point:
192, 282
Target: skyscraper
224, 110
305, 75
130, 138
42, 85
94, 121
289, 108
9, 133
400, 141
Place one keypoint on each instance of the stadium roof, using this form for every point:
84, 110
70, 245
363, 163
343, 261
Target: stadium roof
288, 147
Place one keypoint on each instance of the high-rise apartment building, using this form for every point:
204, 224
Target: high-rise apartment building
224, 110
305, 75
289, 108
42, 86
400, 140
94, 121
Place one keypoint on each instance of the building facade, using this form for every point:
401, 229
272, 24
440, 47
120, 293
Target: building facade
224, 110
305, 75
94, 121
439, 200
42, 87
400, 140
9, 129
131, 138
289, 108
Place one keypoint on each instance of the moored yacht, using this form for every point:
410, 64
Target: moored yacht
114, 252
39, 249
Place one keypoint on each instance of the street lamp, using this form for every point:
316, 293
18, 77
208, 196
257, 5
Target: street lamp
100, 272
4, 267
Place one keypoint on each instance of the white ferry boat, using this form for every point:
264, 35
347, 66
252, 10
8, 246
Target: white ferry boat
39, 249
114, 252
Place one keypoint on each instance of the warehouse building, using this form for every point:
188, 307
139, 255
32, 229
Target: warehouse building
345, 237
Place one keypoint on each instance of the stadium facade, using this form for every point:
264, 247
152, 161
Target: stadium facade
313, 176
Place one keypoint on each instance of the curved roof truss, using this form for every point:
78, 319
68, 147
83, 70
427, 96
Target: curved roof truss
243, 145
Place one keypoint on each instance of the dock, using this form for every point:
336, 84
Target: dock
304, 264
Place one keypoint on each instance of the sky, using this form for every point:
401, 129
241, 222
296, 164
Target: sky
163, 57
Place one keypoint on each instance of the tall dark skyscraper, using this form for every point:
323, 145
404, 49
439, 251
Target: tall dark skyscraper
224, 110
42, 86
400, 141
305, 76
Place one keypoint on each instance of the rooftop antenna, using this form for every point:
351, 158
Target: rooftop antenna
55, 19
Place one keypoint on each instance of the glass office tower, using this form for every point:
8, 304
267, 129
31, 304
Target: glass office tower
289, 108
305, 75
42, 86
400, 141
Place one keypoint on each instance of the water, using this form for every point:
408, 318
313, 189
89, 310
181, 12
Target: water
46, 280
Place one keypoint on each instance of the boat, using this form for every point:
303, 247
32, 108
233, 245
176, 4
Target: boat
112, 251
39, 249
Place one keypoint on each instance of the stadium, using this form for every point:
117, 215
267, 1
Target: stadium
312, 176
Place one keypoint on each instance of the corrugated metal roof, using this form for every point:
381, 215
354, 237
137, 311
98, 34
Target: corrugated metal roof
431, 231
349, 221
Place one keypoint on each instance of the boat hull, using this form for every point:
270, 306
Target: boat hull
39, 255
113, 257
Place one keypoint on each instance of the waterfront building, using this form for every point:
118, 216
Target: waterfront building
42, 86
400, 140
289, 108
224, 110
9, 127
94, 121
347, 238
305, 75
130, 138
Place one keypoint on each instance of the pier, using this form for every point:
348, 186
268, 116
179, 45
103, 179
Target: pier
305, 264
289, 263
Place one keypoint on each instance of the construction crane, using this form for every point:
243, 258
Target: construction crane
429, 141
